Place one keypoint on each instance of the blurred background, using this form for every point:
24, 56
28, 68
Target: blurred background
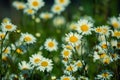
98, 9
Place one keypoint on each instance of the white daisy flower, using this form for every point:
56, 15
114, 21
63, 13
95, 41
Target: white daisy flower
115, 56
6, 50
6, 19
79, 64
27, 38
2, 35
73, 26
59, 21
57, 8
114, 22
45, 64
29, 11
35, 59
95, 56
36, 4
84, 26
51, 44
46, 15
24, 66
73, 38
104, 75
62, 2
18, 5
104, 44
64, 77
116, 34
66, 53
8, 27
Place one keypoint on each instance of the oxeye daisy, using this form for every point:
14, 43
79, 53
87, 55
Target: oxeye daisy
104, 44
64, 77
35, 59
116, 34
36, 4
59, 21
66, 53
6, 50
2, 35
4, 57
19, 51
57, 8
46, 15
79, 64
8, 26
29, 11
68, 46
45, 64
114, 22
115, 56
62, 2
84, 26
19, 5
105, 30
73, 26
105, 75
6, 19
51, 44
27, 38
70, 68
73, 38
24, 66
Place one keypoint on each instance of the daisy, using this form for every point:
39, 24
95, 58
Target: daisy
114, 43
84, 26
66, 53
19, 51
114, 22
79, 64
18, 5
57, 8
4, 57
64, 77
5, 20
107, 60
73, 26
51, 44
2, 35
29, 11
8, 27
116, 34
24, 65
104, 75
27, 38
45, 64
59, 21
115, 56
83, 78
73, 38
46, 15
62, 2
70, 68
35, 59
95, 56
105, 30
104, 44
36, 4
6, 50
67, 46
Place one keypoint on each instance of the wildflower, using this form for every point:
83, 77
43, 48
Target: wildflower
84, 26
2, 35
73, 38
57, 8
62, 2
46, 15
35, 59
51, 44
27, 38
104, 44
73, 26
66, 53
59, 21
64, 77
6, 50
114, 43
29, 11
83, 78
19, 51
5, 20
116, 34
8, 26
45, 64
107, 60
79, 64
19, 5
70, 68
106, 75
24, 66
36, 4
115, 56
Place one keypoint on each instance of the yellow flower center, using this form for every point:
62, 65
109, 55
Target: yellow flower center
115, 25
66, 78
47, 16
69, 47
73, 39
20, 7
44, 63
104, 46
51, 44
84, 28
105, 75
106, 60
57, 8
98, 30
4, 58
35, 3
37, 60
79, 64
104, 30
62, 1
103, 55
30, 11
66, 53
69, 68
27, 39
6, 51
116, 34
19, 51
2, 36
8, 26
